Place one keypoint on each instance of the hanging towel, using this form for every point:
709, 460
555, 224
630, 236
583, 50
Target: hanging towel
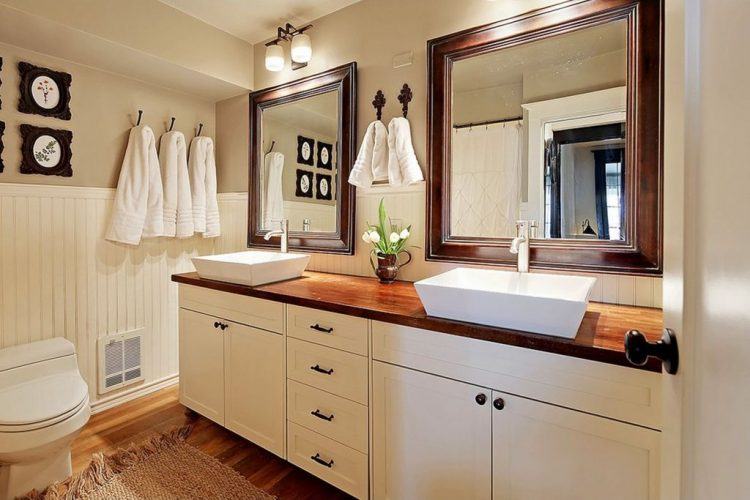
274, 209
403, 167
372, 159
178, 205
202, 167
138, 210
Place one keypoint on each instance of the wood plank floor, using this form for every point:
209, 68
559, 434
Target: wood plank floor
160, 411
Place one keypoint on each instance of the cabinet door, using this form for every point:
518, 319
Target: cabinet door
542, 451
431, 439
202, 365
255, 380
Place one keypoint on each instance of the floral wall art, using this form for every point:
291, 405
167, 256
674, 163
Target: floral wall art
44, 91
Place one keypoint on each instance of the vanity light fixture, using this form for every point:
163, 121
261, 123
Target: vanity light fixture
301, 48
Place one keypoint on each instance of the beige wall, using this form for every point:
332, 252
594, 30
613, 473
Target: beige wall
232, 143
104, 107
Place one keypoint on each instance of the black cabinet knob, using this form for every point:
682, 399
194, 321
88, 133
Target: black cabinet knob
638, 349
481, 399
217, 324
498, 403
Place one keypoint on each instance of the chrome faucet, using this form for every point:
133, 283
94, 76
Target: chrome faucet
283, 232
520, 244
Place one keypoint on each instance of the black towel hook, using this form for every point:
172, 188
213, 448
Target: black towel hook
404, 97
378, 103
171, 124
140, 115
273, 143
200, 129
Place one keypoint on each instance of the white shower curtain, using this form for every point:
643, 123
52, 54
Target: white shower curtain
274, 202
486, 180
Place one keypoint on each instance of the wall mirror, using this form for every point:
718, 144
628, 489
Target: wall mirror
302, 137
554, 117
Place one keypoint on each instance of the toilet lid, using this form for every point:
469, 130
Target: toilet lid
41, 400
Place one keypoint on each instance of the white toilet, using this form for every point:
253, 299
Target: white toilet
44, 404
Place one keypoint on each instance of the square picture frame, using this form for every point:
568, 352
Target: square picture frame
325, 155
46, 151
305, 151
304, 184
44, 91
323, 186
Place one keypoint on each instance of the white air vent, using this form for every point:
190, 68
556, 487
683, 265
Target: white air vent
120, 359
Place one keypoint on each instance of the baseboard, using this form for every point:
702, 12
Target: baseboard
134, 393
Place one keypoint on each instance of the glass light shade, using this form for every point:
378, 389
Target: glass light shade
274, 58
301, 48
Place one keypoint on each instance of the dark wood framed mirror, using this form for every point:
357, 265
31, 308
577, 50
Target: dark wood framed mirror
553, 116
302, 140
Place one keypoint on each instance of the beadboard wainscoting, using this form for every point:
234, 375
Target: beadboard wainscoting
60, 278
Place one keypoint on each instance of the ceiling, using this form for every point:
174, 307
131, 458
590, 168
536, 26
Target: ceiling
256, 20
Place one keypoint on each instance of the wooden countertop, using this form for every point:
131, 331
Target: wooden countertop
600, 337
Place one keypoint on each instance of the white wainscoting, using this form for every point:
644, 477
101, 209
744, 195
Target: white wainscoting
60, 278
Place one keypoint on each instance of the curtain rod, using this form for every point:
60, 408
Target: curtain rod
489, 122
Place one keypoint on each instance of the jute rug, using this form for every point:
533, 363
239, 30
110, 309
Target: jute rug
163, 467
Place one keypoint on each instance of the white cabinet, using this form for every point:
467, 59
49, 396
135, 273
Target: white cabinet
541, 451
254, 379
431, 439
202, 365
234, 375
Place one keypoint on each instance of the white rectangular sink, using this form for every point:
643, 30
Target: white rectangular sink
551, 304
252, 267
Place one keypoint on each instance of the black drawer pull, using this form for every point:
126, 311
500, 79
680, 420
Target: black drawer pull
321, 415
318, 369
321, 328
217, 324
223, 326
317, 458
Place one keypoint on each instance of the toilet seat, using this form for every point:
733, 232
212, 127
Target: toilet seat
41, 402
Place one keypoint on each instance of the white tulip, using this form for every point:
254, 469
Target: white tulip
404, 234
366, 237
395, 237
374, 237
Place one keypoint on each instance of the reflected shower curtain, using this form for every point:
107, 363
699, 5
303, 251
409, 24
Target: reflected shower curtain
486, 180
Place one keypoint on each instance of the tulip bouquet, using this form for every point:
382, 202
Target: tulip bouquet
388, 241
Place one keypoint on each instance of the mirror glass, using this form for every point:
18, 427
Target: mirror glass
539, 134
299, 164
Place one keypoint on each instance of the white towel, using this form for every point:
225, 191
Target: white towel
274, 209
138, 210
403, 167
372, 159
178, 205
202, 167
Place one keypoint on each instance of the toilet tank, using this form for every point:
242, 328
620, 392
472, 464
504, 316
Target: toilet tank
36, 359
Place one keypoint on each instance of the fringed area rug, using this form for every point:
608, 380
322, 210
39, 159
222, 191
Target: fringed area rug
163, 467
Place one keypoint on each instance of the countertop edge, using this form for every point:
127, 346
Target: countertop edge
527, 340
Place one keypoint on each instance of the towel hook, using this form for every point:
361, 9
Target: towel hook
378, 103
200, 129
404, 97
171, 124
273, 143
140, 115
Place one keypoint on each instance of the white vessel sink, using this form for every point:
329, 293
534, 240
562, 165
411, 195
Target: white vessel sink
252, 267
551, 304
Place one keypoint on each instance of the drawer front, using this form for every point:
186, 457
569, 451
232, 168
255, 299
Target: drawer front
617, 392
334, 463
332, 416
347, 333
337, 372
250, 311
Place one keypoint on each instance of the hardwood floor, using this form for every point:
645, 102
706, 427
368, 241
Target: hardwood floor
137, 420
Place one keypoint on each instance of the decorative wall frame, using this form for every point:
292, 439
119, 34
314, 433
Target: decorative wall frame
44, 91
46, 151
2, 131
1, 84
323, 189
305, 150
304, 184
325, 155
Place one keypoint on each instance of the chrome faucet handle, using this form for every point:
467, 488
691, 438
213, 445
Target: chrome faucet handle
283, 223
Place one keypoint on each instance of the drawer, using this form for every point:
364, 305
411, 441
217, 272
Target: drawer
617, 392
347, 333
332, 416
338, 372
250, 311
334, 463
